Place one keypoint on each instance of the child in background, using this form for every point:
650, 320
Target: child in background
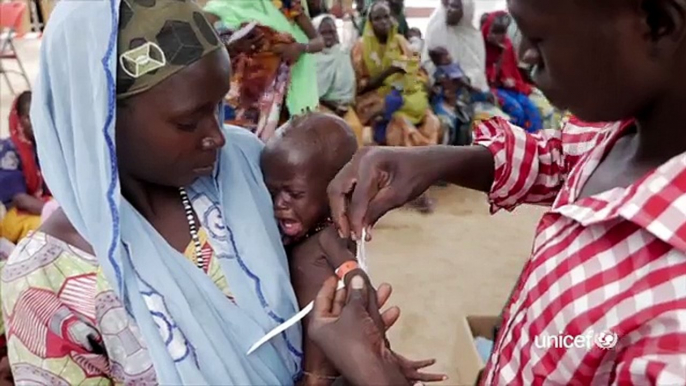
454, 97
22, 189
504, 76
414, 37
298, 163
449, 76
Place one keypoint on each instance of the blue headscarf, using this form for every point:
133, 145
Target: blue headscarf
194, 334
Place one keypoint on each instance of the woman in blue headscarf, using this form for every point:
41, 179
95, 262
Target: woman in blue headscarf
164, 263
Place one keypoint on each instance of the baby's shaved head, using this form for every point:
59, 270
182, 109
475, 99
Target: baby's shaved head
298, 164
315, 143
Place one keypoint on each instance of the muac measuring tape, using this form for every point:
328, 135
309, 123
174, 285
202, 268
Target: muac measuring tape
341, 271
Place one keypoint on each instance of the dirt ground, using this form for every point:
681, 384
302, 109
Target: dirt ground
458, 261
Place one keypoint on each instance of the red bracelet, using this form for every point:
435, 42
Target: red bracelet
345, 268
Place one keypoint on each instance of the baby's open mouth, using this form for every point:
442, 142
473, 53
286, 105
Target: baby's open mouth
290, 227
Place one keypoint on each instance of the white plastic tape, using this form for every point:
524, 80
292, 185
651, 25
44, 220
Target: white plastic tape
361, 260
287, 324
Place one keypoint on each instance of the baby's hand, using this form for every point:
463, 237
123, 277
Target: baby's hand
336, 249
410, 370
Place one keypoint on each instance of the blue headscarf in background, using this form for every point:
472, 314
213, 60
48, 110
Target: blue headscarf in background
194, 334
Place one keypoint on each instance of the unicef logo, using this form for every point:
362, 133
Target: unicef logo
606, 340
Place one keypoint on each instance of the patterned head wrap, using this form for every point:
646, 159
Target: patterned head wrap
157, 38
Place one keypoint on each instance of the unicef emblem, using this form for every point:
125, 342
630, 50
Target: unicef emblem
606, 339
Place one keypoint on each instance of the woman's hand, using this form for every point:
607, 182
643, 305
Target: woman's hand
378, 80
290, 53
341, 110
392, 70
349, 337
248, 44
377, 180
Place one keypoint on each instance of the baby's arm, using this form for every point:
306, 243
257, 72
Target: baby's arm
309, 270
311, 263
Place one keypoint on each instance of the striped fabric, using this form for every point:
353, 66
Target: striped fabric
602, 299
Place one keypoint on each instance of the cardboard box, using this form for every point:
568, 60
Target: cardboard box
469, 364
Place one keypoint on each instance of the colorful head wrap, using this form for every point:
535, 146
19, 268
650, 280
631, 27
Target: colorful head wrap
157, 38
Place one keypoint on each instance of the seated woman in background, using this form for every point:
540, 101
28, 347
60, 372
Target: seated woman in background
450, 28
269, 62
391, 87
504, 77
414, 36
336, 77
551, 116
22, 190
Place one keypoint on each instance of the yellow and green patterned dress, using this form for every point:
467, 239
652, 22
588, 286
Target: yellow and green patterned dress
65, 324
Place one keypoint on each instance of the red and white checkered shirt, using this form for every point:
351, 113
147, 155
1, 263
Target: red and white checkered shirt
602, 300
